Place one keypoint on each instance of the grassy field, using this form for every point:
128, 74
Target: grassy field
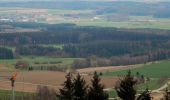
156, 70
6, 95
112, 94
151, 85
67, 11
133, 22
159, 24
43, 59
58, 16
60, 46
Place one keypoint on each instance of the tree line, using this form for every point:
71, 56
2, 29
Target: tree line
114, 46
72, 34
37, 50
6, 53
95, 61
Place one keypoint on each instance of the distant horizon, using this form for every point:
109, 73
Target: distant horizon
87, 0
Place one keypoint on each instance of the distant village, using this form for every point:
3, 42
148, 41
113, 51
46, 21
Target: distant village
24, 18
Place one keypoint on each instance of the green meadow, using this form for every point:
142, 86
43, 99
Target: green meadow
7, 95
156, 70
41, 60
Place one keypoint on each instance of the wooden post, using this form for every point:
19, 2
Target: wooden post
13, 90
12, 79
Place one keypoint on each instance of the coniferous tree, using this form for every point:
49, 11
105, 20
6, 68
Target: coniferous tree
79, 88
125, 88
96, 91
145, 95
66, 93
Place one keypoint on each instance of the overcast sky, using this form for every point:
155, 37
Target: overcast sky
89, 0
85, 0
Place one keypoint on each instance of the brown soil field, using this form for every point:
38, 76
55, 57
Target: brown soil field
157, 96
2, 68
101, 69
28, 81
108, 68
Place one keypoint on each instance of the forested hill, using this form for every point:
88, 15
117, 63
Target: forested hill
86, 41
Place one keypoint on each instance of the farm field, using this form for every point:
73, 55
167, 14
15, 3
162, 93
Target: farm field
156, 70
133, 22
80, 18
28, 81
42, 41
6, 95
67, 11
39, 61
60, 46
6, 11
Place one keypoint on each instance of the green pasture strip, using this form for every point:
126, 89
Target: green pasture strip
112, 94
151, 85
67, 11
7, 95
59, 46
156, 70
40, 59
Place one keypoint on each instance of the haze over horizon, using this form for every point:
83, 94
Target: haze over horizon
87, 0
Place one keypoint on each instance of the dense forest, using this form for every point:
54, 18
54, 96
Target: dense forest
6, 53
129, 45
158, 10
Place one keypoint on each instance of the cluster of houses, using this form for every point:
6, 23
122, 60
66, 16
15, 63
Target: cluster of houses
33, 17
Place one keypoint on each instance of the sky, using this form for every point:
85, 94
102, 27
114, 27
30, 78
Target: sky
89, 0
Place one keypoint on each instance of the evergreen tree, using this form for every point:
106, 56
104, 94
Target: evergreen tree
66, 93
145, 95
79, 88
96, 90
125, 88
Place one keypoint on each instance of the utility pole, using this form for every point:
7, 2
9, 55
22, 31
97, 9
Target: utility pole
12, 79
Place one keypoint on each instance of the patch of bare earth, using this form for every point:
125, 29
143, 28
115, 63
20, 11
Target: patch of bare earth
101, 69
2, 68
157, 96
107, 68
28, 81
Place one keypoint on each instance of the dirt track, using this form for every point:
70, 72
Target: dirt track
101, 69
